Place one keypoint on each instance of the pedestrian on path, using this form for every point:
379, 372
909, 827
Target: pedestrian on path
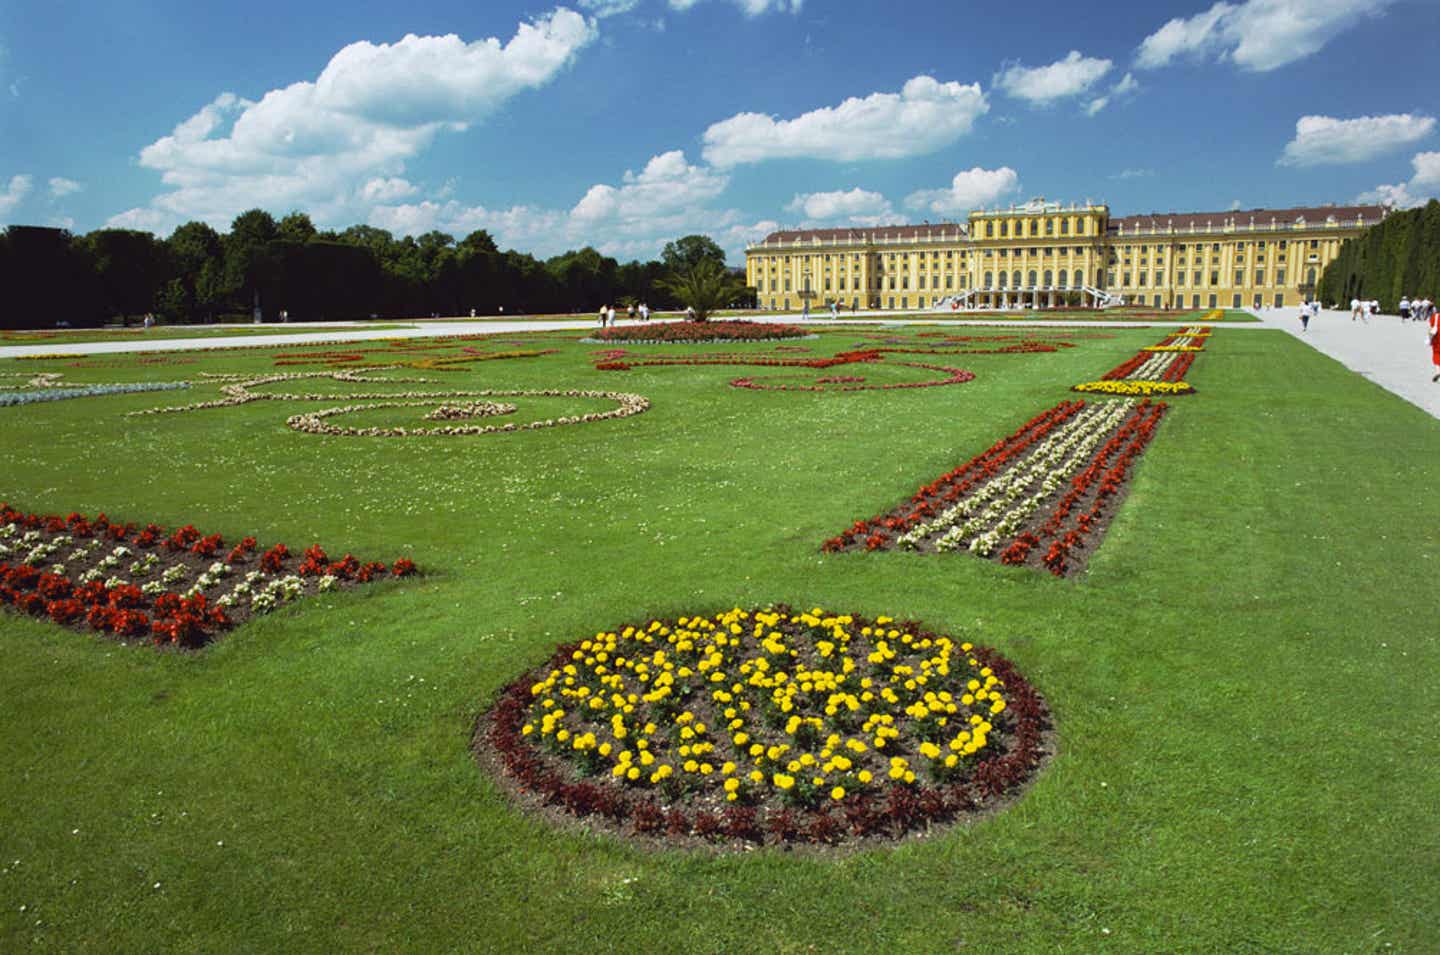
1306, 310
1435, 342
602, 316
1404, 308
1354, 309
610, 314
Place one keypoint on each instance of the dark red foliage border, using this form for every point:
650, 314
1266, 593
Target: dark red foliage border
888, 812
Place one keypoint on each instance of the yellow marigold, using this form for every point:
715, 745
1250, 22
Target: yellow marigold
783, 781
838, 792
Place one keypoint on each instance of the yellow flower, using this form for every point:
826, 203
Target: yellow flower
864, 776
838, 792
783, 781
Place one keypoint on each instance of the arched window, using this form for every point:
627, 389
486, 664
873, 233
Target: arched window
1033, 283
1002, 279
1049, 226
989, 230
1310, 277
1063, 276
989, 279
1034, 227
1049, 278
1004, 229
1064, 226
1016, 277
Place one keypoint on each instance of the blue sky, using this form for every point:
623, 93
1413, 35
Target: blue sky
625, 123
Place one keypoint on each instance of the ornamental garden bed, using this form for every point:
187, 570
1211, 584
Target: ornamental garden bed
670, 333
175, 588
1042, 497
767, 726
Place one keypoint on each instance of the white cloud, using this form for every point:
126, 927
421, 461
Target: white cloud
1043, 85
923, 117
1255, 35
1422, 187
14, 193
668, 198
1133, 174
970, 189
321, 145
1125, 87
855, 207
608, 8
60, 187
751, 8
1324, 140
385, 190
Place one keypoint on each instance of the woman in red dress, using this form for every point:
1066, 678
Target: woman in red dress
1435, 340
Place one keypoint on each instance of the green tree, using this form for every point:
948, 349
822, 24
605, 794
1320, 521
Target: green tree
132, 266
295, 227
682, 254
705, 287
197, 257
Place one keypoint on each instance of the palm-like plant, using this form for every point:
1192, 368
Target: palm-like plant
704, 287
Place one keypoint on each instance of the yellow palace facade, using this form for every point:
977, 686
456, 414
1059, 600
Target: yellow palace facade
1047, 255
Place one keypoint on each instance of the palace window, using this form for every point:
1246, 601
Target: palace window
1016, 279
1004, 229
1314, 243
1279, 276
1064, 277
787, 284
1179, 278
989, 279
1214, 278
1049, 278
1064, 226
1109, 278
1259, 277
1127, 280
1032, 278
1239, 277
1196, 279
1034, 227
1143, 277
1049, 226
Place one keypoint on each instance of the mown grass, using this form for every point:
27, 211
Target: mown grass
1242, 683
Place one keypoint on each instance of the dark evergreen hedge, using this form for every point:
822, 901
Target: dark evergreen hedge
1399, 257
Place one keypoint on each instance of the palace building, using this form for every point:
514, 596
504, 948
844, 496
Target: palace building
1044, 255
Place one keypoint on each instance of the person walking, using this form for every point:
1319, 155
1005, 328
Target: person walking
1305, 310
630, 311
1434, 327
602, 316
610, 314
1354, 309
1404, 308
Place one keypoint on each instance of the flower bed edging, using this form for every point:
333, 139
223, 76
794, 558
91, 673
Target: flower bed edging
901, 781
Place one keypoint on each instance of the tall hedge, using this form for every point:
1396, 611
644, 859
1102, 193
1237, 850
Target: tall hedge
1399, 257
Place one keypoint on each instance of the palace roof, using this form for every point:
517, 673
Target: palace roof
883, 233
1313, 215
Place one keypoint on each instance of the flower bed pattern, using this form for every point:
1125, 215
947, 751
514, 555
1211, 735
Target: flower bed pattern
402, 352
238, 390
1058, 478
621, 360
669, 333
769, 726
1158, 370
176, 588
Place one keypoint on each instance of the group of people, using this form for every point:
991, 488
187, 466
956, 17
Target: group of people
1361, 310
1419, 310
607, 313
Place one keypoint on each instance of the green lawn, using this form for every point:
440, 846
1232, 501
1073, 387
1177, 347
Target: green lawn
1243, 683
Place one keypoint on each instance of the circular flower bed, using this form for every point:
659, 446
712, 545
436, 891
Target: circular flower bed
950, 376
688, 332
769, 725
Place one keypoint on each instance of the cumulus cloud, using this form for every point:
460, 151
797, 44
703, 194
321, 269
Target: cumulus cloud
970, 189
1125, 87
321, 145
14, 193
668, 198
387, 190
1043, 85
61, 187
855, 207
1324, 140
608, 8
923, 117
1423, 186
1255, 35
751, 8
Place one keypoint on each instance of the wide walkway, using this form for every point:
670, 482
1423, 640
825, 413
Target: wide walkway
1393, 354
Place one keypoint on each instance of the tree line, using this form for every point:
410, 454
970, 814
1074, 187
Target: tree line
1399, 257
200, 275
